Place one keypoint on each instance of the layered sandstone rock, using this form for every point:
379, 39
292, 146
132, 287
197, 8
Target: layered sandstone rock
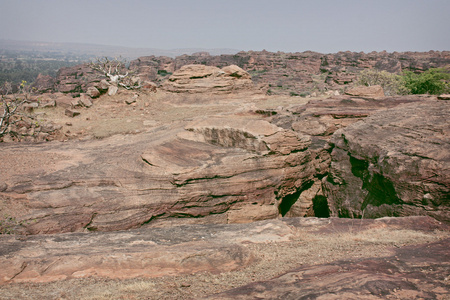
222, 170
398, 276
278, 73
393, 163
200, 79
375, 91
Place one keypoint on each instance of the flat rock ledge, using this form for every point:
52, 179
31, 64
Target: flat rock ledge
156, 252
414, 272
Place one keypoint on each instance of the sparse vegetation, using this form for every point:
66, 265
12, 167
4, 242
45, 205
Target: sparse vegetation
8, 225
10, 105
392, 84
433, 81
116, 71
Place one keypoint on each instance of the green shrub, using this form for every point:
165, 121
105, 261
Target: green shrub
392, 84
433, 81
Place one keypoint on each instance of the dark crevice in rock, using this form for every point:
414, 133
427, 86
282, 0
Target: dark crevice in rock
289, 200
320, 206
380, 189
88, 225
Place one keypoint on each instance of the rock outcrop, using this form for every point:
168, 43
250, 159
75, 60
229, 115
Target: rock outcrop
398, 277
180, 250
201, 79
393, 163
375, 91
287, 258
226, 170
277, 73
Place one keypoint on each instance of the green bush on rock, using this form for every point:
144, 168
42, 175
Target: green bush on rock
433, 81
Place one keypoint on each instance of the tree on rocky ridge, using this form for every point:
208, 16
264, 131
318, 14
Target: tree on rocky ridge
116, 71
10, 105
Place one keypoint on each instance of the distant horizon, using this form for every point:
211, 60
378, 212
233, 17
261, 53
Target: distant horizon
194, 48
324, 26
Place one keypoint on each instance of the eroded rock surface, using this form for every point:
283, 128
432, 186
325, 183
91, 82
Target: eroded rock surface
413, 272
201, 79
218, 248
394, 163
276, 73
221, 170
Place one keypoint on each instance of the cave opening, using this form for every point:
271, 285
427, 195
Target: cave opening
320, 206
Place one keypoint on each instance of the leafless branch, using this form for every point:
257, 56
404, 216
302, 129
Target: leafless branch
116, 71
10, 105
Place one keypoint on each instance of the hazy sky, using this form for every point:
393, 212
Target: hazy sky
286, 25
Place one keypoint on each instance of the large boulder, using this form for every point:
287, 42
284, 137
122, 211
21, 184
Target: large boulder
394, 163
201, 78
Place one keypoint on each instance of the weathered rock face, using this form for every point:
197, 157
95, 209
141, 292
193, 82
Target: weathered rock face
394, 163
374, 91
77, 79
278, 73
148, 253
226, 170
218, 249
44, 83
200, 78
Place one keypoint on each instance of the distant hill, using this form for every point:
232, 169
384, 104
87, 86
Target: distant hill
103, 50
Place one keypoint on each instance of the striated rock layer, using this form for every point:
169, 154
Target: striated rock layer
401, 276
201, 79
220, 170
393, 163
277, 73
213, 248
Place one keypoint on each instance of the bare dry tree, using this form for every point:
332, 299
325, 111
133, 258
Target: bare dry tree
10, 105
115, 69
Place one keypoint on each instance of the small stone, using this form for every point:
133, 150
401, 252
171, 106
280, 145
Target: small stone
50, 103
444, 97
130, 101
112, 90
71, 113
93, 92
75, 103
104, 85
29, 107
85, 100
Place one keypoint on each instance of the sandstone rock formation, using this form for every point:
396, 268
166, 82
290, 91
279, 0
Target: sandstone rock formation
222, 170
374, 91
200, 79
44, 83
394, 163
278, 73
369, 265
399, 276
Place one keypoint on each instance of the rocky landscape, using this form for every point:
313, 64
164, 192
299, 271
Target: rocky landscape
202, 175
